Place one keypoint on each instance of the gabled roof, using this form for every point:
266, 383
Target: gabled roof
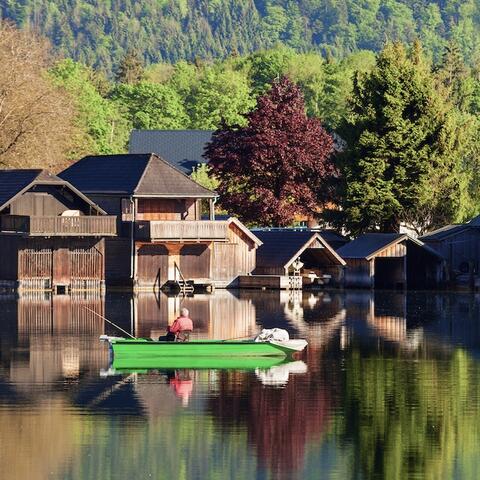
334, 239
444, 232
14, 183
181, 148
450, 230
281, 247
133, 174
369, 245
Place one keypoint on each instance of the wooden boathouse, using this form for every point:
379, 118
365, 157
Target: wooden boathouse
163, 240
391, 260
295, 254
52, 237
458, 244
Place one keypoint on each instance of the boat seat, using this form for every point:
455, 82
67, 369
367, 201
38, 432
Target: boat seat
183, 336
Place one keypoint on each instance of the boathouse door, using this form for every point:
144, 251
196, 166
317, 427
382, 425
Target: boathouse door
35, 268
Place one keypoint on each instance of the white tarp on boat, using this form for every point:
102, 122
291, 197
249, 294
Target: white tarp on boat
272, 334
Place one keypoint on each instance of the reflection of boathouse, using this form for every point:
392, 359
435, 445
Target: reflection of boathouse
220, 316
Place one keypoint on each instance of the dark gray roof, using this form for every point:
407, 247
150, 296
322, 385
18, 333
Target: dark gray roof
335, 239
182, 148
132, 174
449, 230
15, 182
444, 232
280, 246
367, 244
475, 221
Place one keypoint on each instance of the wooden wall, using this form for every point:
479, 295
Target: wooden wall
235, 258
460, 250
152, 265
112, 204
195, 261
168, 209
37, 204
54, 261
397, 250
117, 261
359, 273
48, 200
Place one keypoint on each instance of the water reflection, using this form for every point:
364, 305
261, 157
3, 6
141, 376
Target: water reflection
389, 387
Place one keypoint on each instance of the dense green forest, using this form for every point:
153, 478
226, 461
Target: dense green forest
99, 33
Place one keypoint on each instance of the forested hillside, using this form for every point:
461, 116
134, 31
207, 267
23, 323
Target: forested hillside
100, 32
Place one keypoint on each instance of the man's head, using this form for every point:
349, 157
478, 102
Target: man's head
184, 312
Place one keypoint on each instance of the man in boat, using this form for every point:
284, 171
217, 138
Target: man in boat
179, 329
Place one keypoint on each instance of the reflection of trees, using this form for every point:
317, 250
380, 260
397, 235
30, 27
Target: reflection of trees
171, 447
39, 444
411, 418
279, 422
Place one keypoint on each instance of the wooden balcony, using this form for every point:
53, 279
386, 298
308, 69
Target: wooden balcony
183, 231
101, 226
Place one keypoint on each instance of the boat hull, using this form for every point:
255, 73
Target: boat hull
142, 364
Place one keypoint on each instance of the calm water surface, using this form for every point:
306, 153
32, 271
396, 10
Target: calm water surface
389, 388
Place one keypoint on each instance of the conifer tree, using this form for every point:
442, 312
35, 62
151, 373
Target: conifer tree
402, 162
131, 69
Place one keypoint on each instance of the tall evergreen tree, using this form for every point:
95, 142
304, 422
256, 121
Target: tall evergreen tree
131, 69
277, 166
402, 162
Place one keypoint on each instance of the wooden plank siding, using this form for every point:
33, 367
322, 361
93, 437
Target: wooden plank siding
152, 265
118, 261
168, 209
462, 251
42, 264
359, 273
60, 226
235, 258
397, 250
183, 230
195, 261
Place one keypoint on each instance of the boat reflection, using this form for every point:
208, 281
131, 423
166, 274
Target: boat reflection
278, 375
391, 386
273, 371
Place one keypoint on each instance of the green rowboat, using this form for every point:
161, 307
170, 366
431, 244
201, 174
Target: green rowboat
145, 353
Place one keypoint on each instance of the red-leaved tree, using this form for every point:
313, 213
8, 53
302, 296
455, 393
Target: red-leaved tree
276, 168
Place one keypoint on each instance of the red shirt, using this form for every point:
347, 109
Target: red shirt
181, 324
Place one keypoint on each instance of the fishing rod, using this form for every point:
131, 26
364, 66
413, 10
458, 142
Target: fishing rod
109, 321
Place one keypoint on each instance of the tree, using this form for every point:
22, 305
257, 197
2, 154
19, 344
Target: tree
202, 174
403, 159
151, 106
36, 118
277, 166
220, 95
104, 129
131, 69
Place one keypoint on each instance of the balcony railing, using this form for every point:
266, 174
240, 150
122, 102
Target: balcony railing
60, 226
185, 230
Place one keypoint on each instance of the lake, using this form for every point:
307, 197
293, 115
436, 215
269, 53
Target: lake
389, 388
